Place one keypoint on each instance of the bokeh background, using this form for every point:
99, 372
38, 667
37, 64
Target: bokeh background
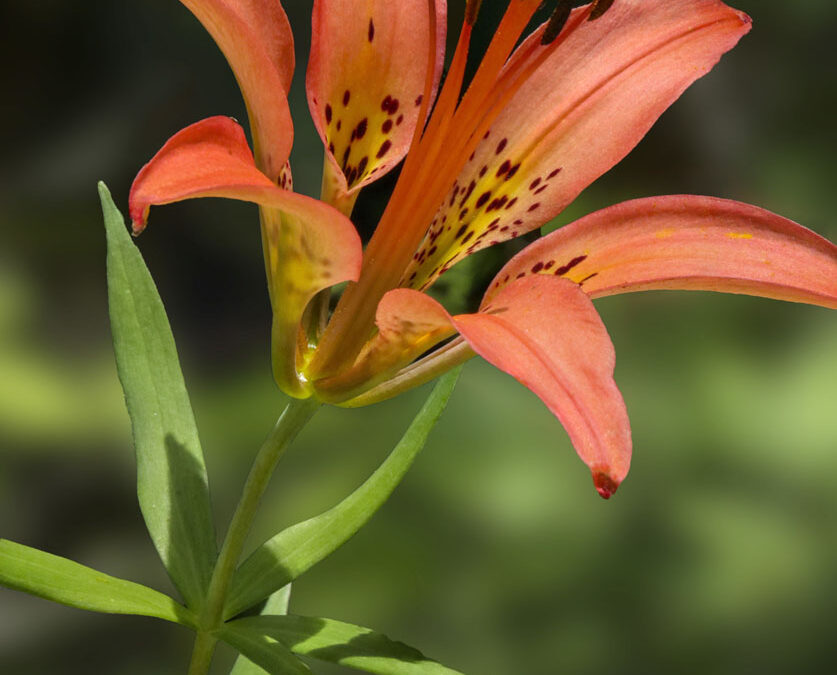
495, 556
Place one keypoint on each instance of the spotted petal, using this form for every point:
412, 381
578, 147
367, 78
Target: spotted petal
591, 96
309, 245
366, 78
256, 39
685, 242
547, 335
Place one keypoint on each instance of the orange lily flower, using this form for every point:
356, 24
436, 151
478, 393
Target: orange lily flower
540, 120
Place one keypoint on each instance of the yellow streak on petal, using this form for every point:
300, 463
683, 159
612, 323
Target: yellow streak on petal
664, 234
739, 235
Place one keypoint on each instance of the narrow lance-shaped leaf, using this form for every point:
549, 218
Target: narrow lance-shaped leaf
52, 577
298, 548
171, 476
342, 643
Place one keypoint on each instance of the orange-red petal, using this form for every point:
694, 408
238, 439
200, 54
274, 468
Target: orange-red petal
409, 323
546, 333
256, 39
309, 245
596, 92
684, 242
366, 78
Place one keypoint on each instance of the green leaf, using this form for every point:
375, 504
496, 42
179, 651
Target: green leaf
275, 604
171, 476
342, 643
55, 578
265, 652
293, 551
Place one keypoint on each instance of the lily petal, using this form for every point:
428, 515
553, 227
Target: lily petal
685, 242
409, 323
309, 245
592, 95
546, 334
256, 40
366, 78
542, 331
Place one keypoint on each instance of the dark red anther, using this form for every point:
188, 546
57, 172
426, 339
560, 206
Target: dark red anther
557, 21
599, 8
472, 8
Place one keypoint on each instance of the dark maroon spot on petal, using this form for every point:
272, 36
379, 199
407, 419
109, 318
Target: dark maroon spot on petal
371, 30
504, 168
518, 222
360, 131
467, 236
521, 275
483, 170
384, 149
385, 104
346, 157
386, 127
512, 171
493, 225
501, 146
328, 113
487, 134
462, 214
549, 264
483, 198
331, 148
588, 277
535, 183
361, 166
462, 230
554, 173
339, 124
431, 251
537, 267
566, 268
504, 228
400, 118
346, 96
412, 276
541, 189
419, 99
534, 207
511, 203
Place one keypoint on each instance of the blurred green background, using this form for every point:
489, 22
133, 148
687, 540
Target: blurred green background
495, 556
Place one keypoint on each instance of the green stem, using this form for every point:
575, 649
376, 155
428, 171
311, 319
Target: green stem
290, 422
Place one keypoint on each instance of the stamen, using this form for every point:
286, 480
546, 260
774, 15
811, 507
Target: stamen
557, 21
472, 8
599, 8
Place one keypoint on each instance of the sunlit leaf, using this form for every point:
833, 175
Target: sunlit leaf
55, 578
265, 653
275, 604
342, 643
171, 476
283, 558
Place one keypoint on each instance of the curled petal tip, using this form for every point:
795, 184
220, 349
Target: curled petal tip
139, 219
605, 485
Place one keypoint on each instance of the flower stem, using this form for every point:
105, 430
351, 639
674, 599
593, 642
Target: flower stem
290, 422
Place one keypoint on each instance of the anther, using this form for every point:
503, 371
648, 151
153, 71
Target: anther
557, 21
599, 8
472, 8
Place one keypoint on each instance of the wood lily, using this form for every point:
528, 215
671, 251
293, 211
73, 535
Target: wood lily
539, 121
